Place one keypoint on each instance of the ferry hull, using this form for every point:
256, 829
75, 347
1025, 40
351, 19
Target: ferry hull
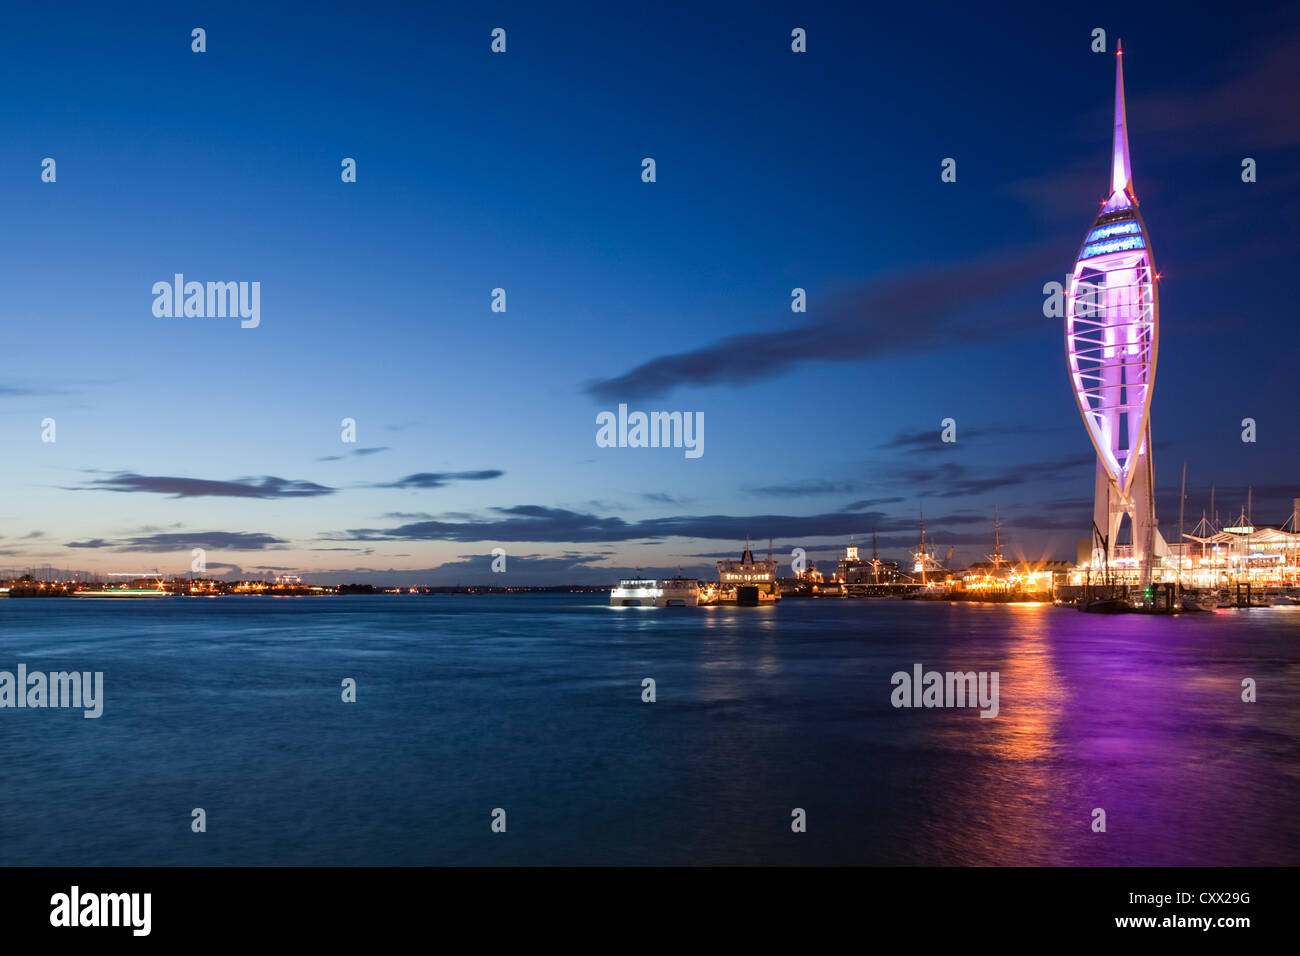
748, 596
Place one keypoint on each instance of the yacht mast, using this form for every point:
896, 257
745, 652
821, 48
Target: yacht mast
1182, 543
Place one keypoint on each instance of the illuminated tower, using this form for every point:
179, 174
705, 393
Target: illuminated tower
1112, 325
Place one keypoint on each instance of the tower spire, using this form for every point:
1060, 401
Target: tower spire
1121, 168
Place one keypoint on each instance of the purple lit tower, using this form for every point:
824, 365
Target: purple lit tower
1112, 325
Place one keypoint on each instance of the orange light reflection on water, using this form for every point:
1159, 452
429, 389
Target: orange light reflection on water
1015, 792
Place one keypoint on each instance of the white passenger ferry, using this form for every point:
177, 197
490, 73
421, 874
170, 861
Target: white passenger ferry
649, 592
680, 592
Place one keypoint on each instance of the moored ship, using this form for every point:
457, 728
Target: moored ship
748, 582
649, 592
157, 592
680, 592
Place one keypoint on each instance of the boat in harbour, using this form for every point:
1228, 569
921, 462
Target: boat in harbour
1106, 605
123, 593
748, 582
1199, 599
680, 592
650, 592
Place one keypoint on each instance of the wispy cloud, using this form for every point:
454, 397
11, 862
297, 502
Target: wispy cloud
357, 453
26, 391
926, 441
811, 486
872, 503
536, 523
662, 498
185, 540
928, 309
1252, 105
956, 480
440, 479
268, 486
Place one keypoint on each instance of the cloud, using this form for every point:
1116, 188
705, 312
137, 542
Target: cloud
439, 479
927, 309
208, 540
921, 440
662, 498
930, 440
532, 565
268, 486
536, 523
357, 453
812, 486
955, 480
23, 391
871, 503
186, 540
1251, 105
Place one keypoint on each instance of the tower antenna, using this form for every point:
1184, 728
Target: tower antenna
1121, 167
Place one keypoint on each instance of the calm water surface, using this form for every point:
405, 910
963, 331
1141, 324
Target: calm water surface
533, 704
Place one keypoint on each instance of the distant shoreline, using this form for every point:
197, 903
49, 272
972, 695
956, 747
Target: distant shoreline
86, 590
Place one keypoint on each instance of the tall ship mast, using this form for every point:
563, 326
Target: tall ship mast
924, 562
996, 558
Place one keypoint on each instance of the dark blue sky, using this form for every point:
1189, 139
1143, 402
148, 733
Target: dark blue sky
522, 171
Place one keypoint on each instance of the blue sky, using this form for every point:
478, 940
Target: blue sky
522, 171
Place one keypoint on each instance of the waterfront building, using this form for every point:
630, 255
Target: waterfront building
1263, 556
853, 569
1267, 557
